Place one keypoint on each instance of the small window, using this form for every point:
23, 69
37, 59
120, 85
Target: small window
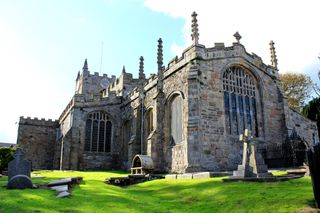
176, 120
149, 121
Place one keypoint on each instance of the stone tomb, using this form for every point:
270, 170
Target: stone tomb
19, 171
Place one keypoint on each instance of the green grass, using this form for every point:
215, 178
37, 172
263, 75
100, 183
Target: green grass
204, 195
279, 173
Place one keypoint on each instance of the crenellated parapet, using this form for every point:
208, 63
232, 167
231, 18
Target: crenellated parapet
38, 122
218, 52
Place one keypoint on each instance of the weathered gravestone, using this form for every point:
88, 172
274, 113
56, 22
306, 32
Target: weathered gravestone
19, 171
314, 166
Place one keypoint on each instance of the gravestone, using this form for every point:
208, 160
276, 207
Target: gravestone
314, 166
19, 171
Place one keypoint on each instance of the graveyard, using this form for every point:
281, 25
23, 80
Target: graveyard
165, 195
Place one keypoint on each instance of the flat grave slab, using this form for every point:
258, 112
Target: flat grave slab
66, 181
60, 188
63, 194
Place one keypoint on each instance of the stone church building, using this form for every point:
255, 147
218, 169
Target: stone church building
187, 117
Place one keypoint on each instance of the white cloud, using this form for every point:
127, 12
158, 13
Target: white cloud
292, 25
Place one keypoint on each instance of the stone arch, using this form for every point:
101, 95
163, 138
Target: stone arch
149, 120
174, 106
241, 92
173, 94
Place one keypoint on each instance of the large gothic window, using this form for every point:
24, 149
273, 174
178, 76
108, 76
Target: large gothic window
176, 120
240, 101
98, 132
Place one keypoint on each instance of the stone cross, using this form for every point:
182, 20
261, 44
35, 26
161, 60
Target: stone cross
237, 36
19, 171
245, 138
252, 161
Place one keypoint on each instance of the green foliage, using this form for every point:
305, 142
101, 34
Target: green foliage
203, 195
297, 88
6, 155
312, 111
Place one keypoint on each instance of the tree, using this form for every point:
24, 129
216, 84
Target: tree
297, 88
312, 111
6, 155
316, 87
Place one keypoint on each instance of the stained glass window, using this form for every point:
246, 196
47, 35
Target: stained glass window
240, 101
254, 113
227, 110
241, 113
234, 114
98, 132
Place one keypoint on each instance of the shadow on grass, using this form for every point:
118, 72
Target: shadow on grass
208, 195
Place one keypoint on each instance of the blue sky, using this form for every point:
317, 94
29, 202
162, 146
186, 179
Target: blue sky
43, 43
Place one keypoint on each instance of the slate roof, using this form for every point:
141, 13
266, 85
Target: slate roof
6, 144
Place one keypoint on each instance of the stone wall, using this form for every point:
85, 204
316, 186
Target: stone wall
74, 155
210, 147
98, 161
121, 86
197, 78
37, 137
301, 126
89, 85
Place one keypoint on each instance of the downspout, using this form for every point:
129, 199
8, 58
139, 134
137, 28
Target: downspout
61, 155
142, 126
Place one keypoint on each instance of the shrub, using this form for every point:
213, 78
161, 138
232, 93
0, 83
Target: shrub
6, 155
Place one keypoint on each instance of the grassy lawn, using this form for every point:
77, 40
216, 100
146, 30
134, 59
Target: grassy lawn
204, 195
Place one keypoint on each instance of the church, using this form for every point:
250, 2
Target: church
187, 117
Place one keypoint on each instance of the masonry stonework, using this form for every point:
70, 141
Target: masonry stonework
37, 137
187, 117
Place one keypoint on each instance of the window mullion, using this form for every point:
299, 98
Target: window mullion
104, 134
91, 132
98, 134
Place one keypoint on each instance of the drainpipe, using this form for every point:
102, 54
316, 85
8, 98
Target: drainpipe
61, 155
142, 121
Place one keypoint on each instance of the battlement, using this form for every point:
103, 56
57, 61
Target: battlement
150, 79
134, 93
96, 74
38, 122
219, 51
124, 78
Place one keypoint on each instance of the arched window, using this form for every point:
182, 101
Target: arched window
240, 101
149, 121
176, 120
98, 132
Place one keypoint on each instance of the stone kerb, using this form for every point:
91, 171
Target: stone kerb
20, 182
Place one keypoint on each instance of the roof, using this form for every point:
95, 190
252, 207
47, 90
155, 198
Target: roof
6, 144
